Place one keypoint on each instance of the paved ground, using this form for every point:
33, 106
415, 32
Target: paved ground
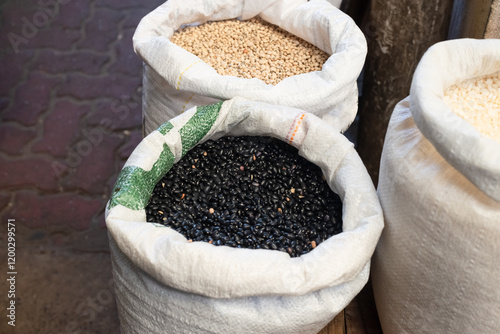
60, 291
66, 66
69, 68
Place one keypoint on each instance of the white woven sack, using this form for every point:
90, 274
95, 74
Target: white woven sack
437, 266
166, 285
175, 80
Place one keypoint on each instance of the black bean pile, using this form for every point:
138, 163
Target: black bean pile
250, 192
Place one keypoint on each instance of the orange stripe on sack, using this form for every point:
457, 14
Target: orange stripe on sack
297, 127
180, 76
291, 127
185, 104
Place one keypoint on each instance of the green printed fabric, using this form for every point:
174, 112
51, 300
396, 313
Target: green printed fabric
165, 128
198, 126
135, 185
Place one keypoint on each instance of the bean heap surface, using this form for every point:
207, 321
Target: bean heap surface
250, 49
247, 192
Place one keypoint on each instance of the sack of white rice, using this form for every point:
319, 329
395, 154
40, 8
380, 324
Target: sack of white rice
167, 283
436, 268
302, 54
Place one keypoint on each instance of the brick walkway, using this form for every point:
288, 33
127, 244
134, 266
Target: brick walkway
70, 115
70, 112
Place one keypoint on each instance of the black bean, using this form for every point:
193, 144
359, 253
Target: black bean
253, 192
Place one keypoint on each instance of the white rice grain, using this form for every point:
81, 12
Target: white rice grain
477, 100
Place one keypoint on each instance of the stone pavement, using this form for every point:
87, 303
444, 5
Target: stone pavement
70, 111
70, 115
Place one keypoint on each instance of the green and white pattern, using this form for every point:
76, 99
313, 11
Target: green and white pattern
135, 185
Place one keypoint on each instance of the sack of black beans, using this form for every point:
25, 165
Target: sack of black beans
167, 283
303, 54
436, 268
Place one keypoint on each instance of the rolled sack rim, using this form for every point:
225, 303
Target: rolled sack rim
167, 256
443, 65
